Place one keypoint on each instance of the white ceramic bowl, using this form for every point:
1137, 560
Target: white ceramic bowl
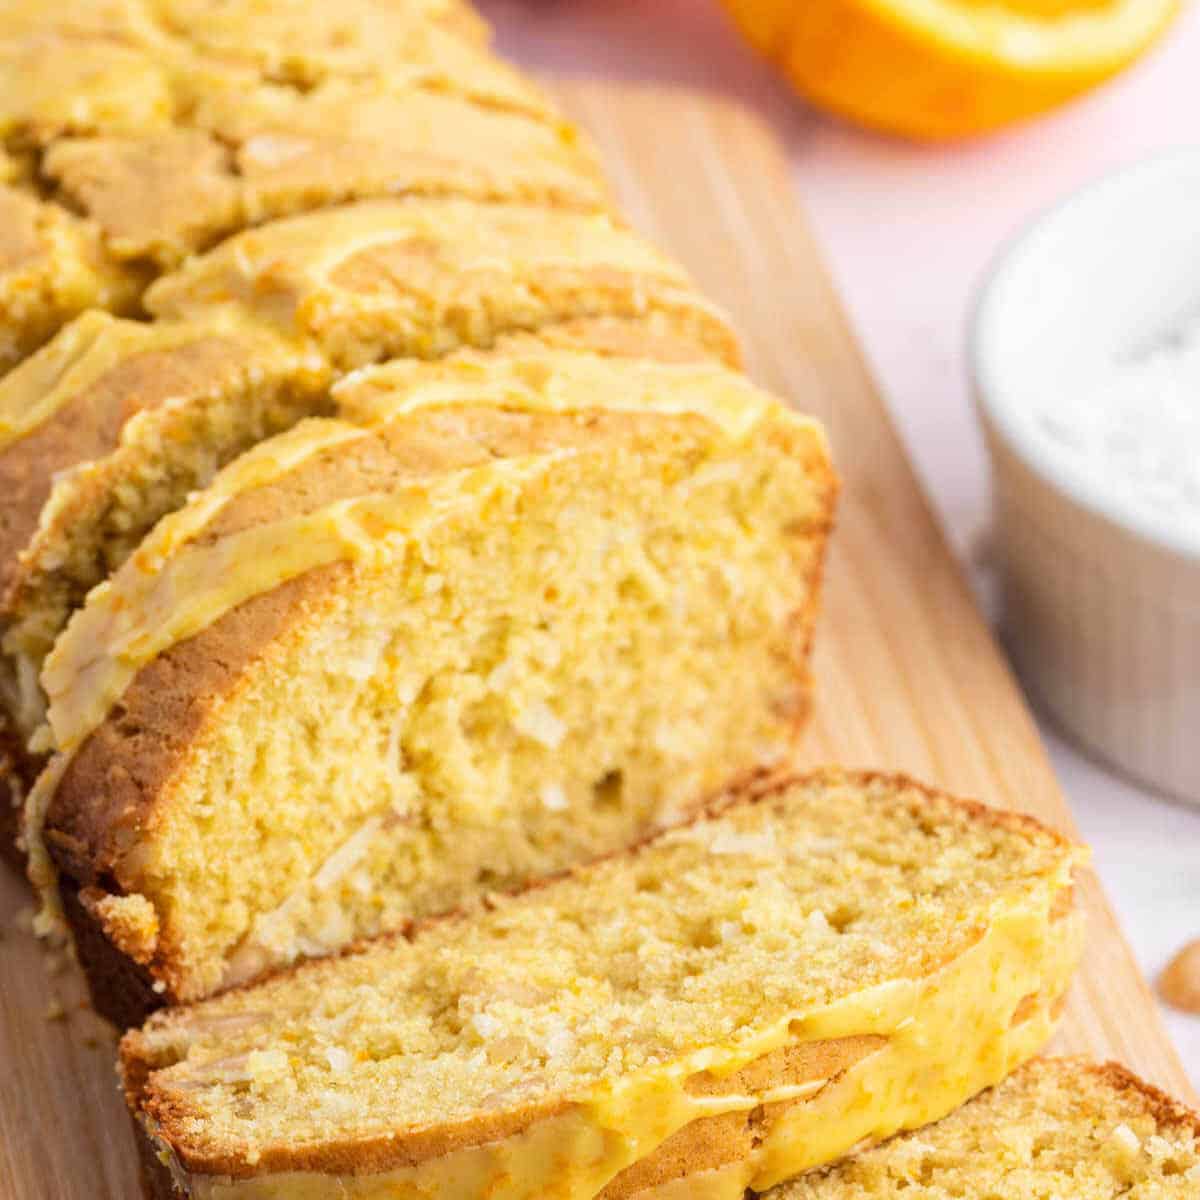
1101, 598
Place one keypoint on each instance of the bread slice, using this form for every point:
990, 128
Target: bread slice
1057, 1127
521, 612
104, 430
385, 278
53, 266
821, 960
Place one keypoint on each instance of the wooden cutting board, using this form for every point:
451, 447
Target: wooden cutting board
908, 675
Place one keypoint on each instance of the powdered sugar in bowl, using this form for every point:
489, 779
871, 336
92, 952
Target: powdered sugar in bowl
1086, 356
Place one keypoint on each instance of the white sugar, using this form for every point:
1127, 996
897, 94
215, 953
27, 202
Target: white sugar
1136, 431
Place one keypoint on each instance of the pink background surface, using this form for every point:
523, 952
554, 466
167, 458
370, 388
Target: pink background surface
908, 232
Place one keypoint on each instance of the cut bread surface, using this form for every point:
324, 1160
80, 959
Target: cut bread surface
1057, 1127
828, 959
397, 664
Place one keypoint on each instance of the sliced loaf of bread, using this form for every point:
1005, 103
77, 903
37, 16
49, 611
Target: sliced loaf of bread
1057, 1128
818, 961
522, 609
135, 132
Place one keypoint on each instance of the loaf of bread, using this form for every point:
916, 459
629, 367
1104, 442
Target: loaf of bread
392, 544
1057, 1128
524, 607
819, 961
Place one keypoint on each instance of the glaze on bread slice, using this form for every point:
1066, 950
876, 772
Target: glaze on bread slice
822, 960
1057, 1127
523, 610
384, 278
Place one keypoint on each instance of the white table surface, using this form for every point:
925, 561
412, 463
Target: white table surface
908, 232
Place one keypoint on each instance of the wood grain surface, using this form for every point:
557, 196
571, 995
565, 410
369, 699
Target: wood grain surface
908, 674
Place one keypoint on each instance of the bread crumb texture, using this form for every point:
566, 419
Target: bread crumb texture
1058, 1129
705, 937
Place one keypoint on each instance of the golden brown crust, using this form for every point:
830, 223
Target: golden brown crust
18, 770
420, 278
155, 196
121, 990
161, 195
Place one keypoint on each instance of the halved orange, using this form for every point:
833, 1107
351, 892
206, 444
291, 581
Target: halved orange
948, 68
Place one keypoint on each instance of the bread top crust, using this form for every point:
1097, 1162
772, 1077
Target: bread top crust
420, 278
437, 420
354, 38
1165, 1109
124, 67
254, 151
169, 1036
